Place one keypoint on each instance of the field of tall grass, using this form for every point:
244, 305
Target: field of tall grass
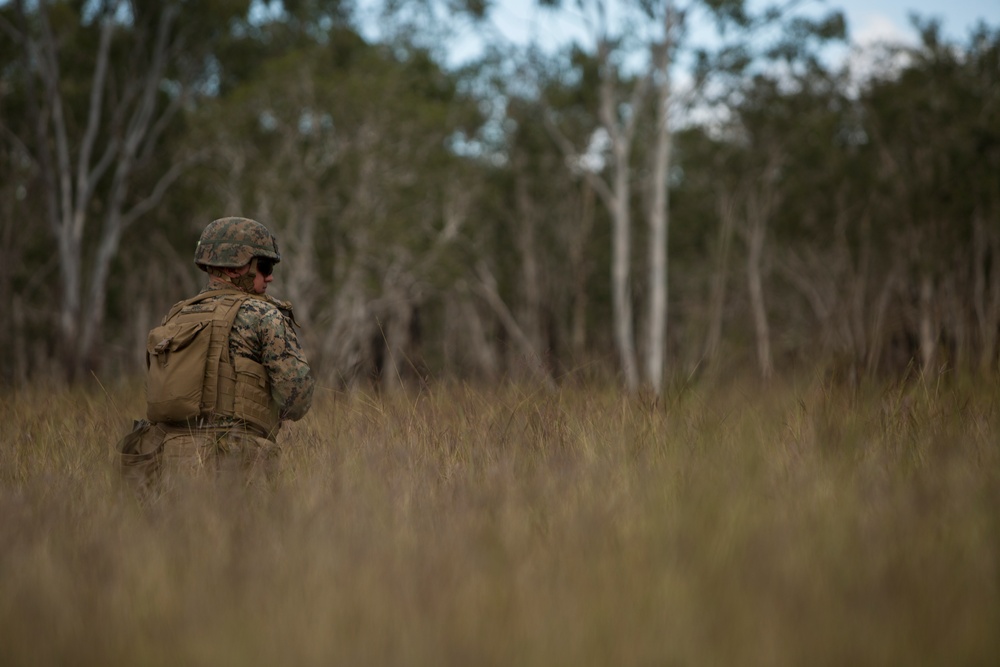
800, 524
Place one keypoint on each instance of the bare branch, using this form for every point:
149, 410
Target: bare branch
570, 153
8, 29
18, 144
86, 179
487, 288
160, 126
50, 78
162, 185
142, 117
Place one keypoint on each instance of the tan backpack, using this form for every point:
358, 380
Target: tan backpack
183, 355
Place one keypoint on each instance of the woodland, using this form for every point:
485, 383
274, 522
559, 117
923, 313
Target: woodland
636, 206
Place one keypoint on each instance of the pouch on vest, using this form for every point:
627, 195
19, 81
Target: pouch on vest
253, 396
178, 353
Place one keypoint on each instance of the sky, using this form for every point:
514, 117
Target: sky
868, 20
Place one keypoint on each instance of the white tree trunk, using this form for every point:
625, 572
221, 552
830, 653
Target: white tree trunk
621, 134
134, 124
621, 291
615, 198
659, 212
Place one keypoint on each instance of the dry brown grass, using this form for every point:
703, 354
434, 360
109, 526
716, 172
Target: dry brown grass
800, 525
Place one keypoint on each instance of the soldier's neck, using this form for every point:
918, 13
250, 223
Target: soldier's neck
215, 282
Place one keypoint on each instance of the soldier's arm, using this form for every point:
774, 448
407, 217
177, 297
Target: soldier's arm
291, 378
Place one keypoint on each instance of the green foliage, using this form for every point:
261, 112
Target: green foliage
728, 11
361, 154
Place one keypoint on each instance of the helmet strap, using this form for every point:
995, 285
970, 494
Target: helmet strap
243, 283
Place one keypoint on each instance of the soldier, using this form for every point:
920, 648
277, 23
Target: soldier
224, 368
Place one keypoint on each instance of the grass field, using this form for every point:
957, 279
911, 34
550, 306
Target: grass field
797, 525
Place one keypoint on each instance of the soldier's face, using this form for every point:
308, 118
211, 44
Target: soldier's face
260, 282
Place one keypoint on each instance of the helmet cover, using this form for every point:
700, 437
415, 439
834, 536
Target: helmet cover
233, 242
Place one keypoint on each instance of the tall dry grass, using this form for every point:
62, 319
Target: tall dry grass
797, 525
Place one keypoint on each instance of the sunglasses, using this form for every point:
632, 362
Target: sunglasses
265, 267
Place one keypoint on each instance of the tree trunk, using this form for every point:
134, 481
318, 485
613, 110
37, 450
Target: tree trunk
346, 346
525, 223
395, 329
756, 233
621, 291
487, 288
986, 290
616, 198
468, 346
621, 135
720, 276
928, 324
134, 124
580, 270
659, 212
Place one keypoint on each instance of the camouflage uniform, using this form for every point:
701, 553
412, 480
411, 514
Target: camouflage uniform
261, 332
219, 445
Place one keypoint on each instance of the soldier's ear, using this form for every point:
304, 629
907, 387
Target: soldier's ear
237, 272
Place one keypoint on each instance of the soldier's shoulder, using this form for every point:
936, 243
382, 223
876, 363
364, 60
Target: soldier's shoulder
199, 301
260, 308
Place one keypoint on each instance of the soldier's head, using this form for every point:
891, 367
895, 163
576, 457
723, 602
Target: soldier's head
240, 251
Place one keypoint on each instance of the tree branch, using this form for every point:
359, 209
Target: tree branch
569, 151
487, 288
49, 70
86, 178
162, 185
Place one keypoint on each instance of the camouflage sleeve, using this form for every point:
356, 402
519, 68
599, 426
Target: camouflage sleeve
292, 382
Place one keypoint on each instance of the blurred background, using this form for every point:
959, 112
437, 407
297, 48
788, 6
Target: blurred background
633, 192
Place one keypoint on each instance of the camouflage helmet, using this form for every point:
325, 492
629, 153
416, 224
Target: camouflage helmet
232, 242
